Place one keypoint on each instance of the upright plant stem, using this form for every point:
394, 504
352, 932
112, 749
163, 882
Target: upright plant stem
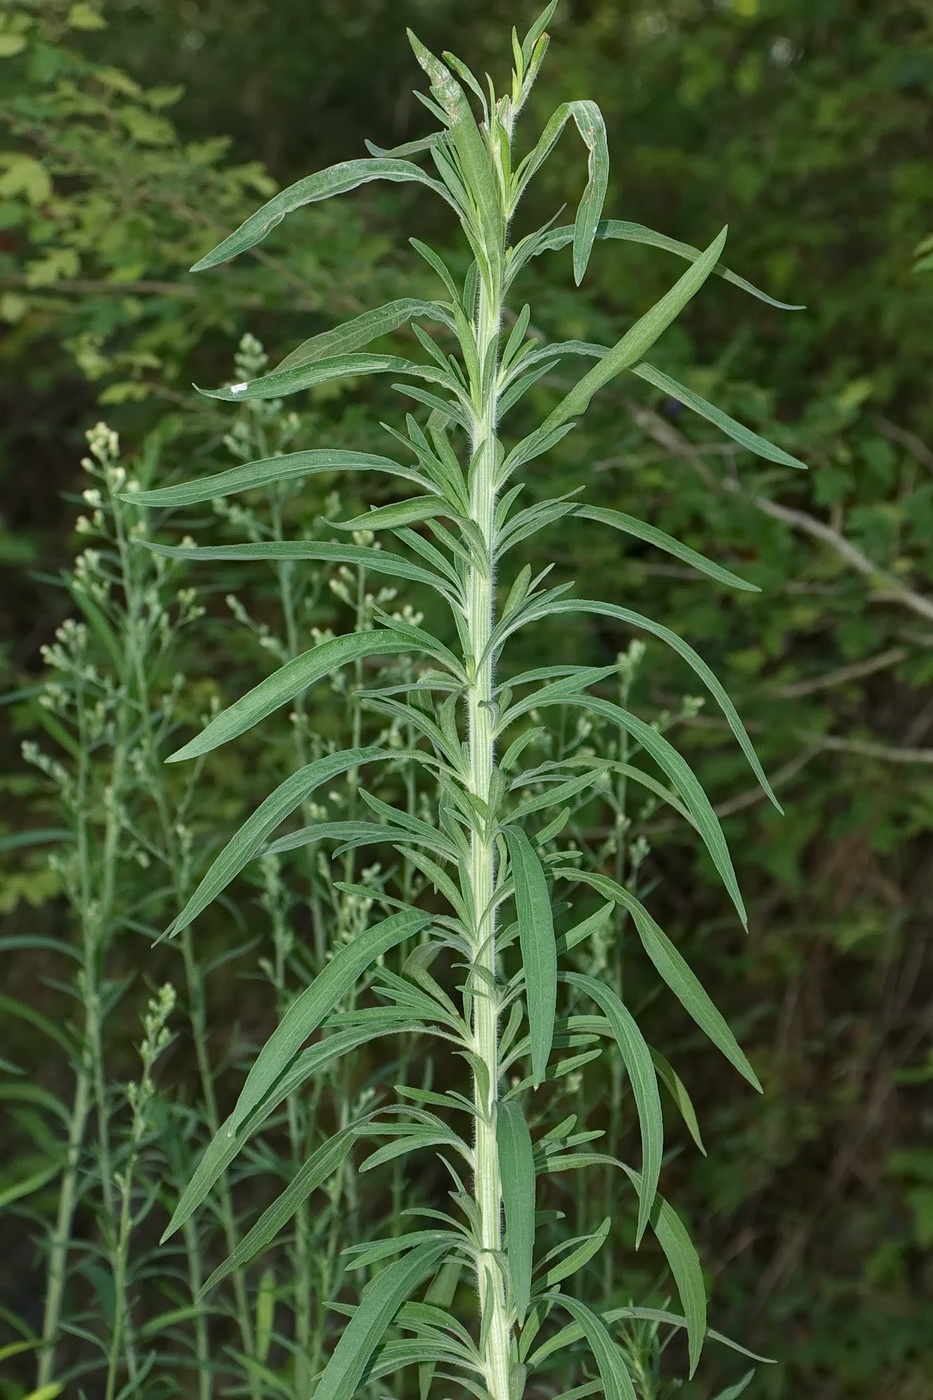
482, 870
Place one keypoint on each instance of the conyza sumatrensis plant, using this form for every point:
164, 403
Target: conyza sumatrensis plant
454, 534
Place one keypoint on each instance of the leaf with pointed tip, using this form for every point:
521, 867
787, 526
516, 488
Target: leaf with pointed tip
397, 514
668, 759
592, 129
318, 1169
651, 535
551, 606
416, 1139
377, 561
517, 1170
637, 340
362, 330
336, 179
379, 1305
441, 1293
732, 1392
311, 1006
752, 442
547, 240
280, 383
249, 840
684, 1262
287, 682
572, 1262
233, 1134
637, 1060
252, 476
609, 1360
678, 1092
672, 968
536, 937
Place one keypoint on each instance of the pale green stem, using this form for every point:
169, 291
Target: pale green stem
481, 747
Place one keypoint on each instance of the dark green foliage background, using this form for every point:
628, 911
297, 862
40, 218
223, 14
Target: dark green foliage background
804, 124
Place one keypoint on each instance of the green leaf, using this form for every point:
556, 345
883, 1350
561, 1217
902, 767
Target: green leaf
249, 840
673, 969
732, 1392
280, 383
637, 339
685, 1266
550, 239
309, 1009
287, 682
253, 476
678, 1092
666, 756
336, 179
363, 329
744, 436
363, 1333
318, 1169
233, 1134
612, 1368
637, 1060
696, 663
377, 561
573, 1262
592, 129
641, 531
397, 514
539, 953
517, 1169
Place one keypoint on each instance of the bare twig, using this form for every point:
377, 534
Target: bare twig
894, 590
914, 445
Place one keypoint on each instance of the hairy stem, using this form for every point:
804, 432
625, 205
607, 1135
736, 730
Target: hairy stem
485, 1011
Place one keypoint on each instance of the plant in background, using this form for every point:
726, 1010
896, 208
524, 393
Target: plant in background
486, 973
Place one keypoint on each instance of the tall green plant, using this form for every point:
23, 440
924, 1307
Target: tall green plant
484, 851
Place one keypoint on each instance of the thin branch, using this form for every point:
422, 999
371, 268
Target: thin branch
679, 446
854, 672
867, 748
914, 445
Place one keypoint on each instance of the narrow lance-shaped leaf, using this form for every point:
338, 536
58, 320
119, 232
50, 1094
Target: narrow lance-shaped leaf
254, 476
547, 240
668, 759
233, 1134
673, 969
684, 649
609, 1360
752, 442
311, 1006
639, 530
592, 129
281, 382
362, 330
270, 813
637, 1060
539, 951
637, 340
377, 561
287, 682
336, 179
318, 1169
517, 1169
363, 1333
678, 1092
684, 1261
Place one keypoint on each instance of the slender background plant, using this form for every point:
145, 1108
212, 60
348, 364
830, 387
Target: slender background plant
506, 927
